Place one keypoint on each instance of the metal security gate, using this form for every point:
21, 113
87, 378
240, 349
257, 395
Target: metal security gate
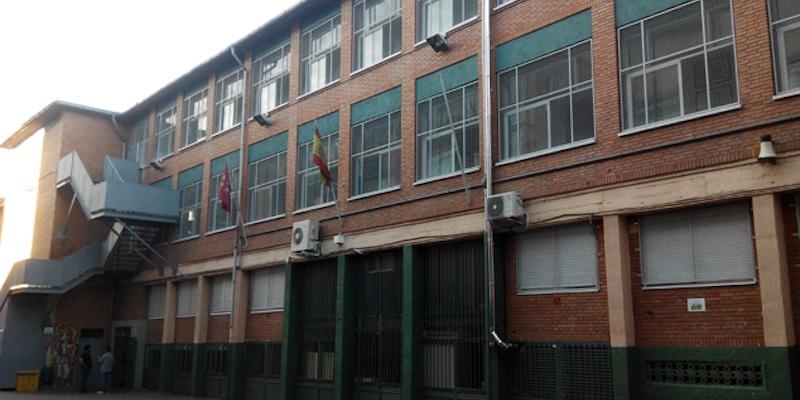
262, 371
152, 366
316, 329
182, 368
453, 339
215, 373
377, 326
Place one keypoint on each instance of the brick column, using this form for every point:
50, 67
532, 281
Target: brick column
620, 302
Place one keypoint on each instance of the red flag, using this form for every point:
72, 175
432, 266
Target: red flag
319, 159
224, 193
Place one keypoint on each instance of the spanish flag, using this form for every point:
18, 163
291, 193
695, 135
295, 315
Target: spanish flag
319, 159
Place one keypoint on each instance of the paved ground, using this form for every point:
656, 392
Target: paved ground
53, 395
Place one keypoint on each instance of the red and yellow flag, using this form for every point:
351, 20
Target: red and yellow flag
319, 159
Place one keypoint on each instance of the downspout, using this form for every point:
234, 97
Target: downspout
487, 148
237, 248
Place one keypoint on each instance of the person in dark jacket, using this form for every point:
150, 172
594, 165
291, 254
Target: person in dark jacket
85, 361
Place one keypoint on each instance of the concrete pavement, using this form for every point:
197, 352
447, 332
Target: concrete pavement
127, 395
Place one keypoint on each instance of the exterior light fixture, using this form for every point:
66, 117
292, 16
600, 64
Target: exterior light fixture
438, 42
263, 119
767, 155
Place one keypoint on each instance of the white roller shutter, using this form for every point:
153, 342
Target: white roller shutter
557, 259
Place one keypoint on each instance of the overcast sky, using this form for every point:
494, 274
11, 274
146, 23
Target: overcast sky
111, 54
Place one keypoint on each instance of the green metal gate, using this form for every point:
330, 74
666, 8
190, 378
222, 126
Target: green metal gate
152, 366
215, 372
262, 371
182, 368
453, 335
316, 329
378, 312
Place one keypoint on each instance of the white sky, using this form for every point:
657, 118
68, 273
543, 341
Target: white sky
111, 54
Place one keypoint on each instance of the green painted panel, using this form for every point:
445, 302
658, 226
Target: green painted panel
621, 372
194, 88
218, 164
165, 370
196, 385
267, 147
327, 124
375, 106
412, 312
628, 11
543, 41
319, 16
289, 348
236, 371
191, 175
274, 44
165, 183
343, 358
776, 363
453, 76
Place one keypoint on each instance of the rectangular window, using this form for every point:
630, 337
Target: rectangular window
447, 132
195, 117
267, 291
271, 80
376, 31
706, 246
548, 103
136, 146
678, 63
229, 101
376, 154
559, 259
187, 298
320, 53
267, 189
438, 16
155, 301
785, 20
190, 189
310, 188
165, 132
220, 298
217, 217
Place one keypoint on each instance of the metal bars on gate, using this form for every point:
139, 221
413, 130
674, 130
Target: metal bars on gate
316, 320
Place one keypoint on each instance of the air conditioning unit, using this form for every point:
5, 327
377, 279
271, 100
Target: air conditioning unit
504, 207
305, 237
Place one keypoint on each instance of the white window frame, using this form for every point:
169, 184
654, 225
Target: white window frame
166, 121
456, 155
552, 234
188, 309
357, 159
276, 189
271, 275
780, 67
310, 173
423, 11
215, 213
312, 76
189, 224
136, 145
220, 283
156, 296
692, 215
647, 66
195, 110
372, 28
229, 95
271, 80
545, 100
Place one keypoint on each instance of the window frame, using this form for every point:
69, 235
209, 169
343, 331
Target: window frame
273, 185
165, 131
311, 172
422, 16
777, 43
706, 47
188, 209
262, 80
356, 159
386, 22
451, 127
224, 283
545, 100
329, 54
221, 103
156, 292
139, 134
270, 274
214, 209
197, 117
553, 233
191, 310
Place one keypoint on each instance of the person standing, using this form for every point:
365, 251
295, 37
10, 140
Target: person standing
106, 365
85, 361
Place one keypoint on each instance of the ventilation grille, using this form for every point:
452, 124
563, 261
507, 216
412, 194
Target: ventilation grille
705, 373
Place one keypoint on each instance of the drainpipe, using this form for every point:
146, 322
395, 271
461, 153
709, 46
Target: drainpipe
237, 248
487, 147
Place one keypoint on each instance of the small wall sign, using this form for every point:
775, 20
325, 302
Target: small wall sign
696, 305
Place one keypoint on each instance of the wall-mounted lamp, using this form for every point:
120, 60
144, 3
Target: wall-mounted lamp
767, 151
263, 119
438, 42
157, 164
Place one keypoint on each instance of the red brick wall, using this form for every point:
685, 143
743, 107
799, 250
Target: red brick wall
264, 327
567, 317
661, 318
218, 328
792, 254
184, 330
155, 331
130, 302
86, 307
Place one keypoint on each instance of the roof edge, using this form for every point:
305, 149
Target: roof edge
45, 115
